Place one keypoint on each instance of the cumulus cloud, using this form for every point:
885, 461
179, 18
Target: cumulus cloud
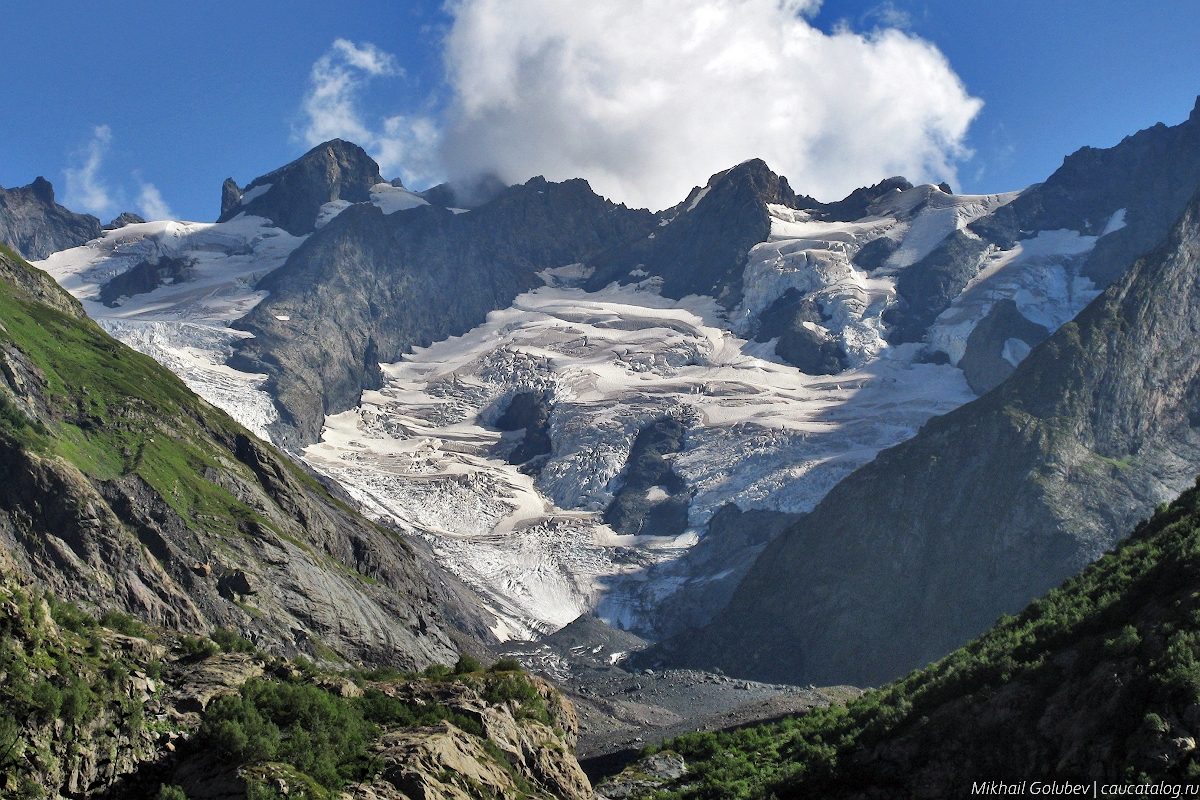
150, 203
404, 144
647, 99
85, 189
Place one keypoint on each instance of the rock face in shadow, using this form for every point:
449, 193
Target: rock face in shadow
35, 226
292, 196
146, 277
528, 411
120, 489
805, 346
368, 286
992, 354
701, 245
988, 506
653, 499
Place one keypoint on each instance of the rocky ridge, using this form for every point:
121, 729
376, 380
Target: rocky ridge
33, 224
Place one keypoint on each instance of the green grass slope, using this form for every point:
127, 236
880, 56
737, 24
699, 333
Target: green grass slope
121, 489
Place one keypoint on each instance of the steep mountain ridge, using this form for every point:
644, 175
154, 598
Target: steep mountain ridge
989, 505
1095, 682
120, 489
370, 285
33, 224
292, 196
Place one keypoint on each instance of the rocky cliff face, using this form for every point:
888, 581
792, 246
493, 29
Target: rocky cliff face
292, 195
369, 286
701, 245
988, 506
35, 226
120, 489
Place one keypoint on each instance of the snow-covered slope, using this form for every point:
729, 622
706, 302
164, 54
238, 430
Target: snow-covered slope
183, 323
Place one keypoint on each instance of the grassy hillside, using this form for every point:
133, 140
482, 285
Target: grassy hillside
1099, 679
122, 490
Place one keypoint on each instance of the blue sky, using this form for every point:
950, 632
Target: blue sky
193, 95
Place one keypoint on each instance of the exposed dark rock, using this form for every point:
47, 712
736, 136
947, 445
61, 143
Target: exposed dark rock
703, 249
790, 309
231, 197
927, 287
465, 194
335, 170
376, 284
983, 363
811, 351
857, 204
35, 226
123, 219
988, 506
145, 277
872, 255
632, 510
945, 187
528, 411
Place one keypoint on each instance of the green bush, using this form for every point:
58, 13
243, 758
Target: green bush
506, 665
68, 615
123, 623
231, 642
166, 792
198, 647
467, 663
437, 672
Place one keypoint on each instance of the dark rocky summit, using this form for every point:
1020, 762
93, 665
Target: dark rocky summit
123, 219
292, 196
701, 245
34, 225
122, 490
989, 505
368, 286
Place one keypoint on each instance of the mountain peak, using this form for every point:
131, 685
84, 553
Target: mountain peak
292, 196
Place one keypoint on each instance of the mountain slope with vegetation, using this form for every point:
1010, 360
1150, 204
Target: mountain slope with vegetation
122, 490
1098, 680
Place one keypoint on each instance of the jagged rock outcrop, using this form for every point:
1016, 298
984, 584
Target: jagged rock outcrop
701, 245
120, 489
123, 219
292, 196
989, 505
369, 285
34, 225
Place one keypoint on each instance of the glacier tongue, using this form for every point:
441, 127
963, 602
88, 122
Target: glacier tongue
761, 434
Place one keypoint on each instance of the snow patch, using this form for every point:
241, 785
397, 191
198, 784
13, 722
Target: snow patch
390, 199
329, 211
1015, 351
1115, 222
257, 191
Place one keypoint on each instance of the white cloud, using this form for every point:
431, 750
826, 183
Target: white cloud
404, 144
150, 203
646, 99
85, 189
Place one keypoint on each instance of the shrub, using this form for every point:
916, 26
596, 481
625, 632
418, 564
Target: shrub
231, 642
506, 665
467, 663
166, 792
